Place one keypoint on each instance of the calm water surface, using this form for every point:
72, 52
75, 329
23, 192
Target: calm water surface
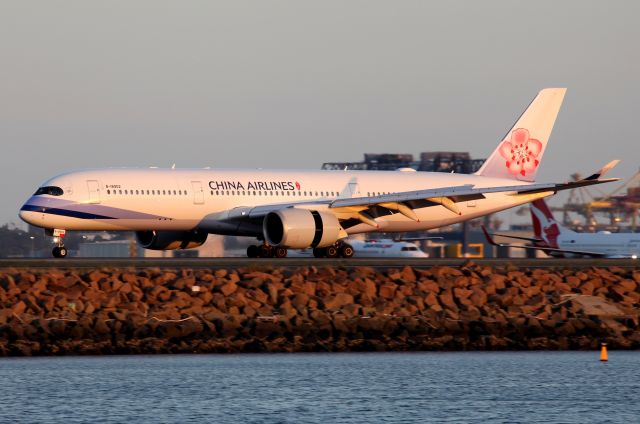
567, 387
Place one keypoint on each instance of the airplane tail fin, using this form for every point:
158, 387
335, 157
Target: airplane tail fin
545, 227
519, 154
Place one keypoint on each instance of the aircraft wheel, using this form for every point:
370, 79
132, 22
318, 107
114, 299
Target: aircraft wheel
280, 252
319, 252
59, 252
332, 252
253, 251
265, 251
346, 251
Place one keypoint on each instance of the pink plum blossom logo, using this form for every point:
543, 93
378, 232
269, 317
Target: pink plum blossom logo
298, 185
521, 152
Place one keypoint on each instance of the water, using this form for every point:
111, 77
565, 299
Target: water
567, 387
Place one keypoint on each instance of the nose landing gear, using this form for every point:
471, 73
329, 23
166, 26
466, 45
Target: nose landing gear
59, 251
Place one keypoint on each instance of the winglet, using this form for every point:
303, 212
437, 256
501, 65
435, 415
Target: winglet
608, 167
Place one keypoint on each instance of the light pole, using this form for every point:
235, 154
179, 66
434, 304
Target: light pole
32, 246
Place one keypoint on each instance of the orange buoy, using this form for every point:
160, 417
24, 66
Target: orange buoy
603, 353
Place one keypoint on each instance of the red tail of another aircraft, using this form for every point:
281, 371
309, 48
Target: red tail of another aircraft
545, 227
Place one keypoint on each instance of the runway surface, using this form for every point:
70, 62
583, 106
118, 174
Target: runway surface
304, 262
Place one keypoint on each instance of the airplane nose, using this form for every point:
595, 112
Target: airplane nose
29, 214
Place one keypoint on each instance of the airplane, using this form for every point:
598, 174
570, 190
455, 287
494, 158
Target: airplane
386, 248
375, 248
289, 209
558, 241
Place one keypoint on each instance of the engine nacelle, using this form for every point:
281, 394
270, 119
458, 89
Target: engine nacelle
171, 240
300, 228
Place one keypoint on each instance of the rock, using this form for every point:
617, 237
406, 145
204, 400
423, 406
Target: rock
19, 307
478, 297
461, 294
628, 285
228, 288
498, 281
300, 300
388, 290
370, 289
338, 300
431, 300
408, 275
446, 300
429, 286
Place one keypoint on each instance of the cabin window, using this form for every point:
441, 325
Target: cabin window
409, 249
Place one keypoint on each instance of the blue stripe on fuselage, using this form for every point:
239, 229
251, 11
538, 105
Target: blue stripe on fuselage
64, 212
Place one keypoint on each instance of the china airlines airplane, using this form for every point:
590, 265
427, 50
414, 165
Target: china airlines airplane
285, 209
556, 240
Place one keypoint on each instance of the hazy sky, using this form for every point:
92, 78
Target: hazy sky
293, 84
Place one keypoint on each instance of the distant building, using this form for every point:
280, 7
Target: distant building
458, 162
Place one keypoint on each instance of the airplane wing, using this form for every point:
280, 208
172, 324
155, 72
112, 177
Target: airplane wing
365, 209
544, 249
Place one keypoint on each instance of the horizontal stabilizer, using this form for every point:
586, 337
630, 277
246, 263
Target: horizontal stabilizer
549, 250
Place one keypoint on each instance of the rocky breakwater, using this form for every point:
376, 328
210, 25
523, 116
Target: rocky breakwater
109, 311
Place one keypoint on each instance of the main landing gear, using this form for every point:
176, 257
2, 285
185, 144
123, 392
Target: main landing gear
337, 250
59, 251
266, 251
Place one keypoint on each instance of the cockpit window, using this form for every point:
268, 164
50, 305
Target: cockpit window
51, 190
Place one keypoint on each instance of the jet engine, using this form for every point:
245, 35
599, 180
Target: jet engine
300, 228
171, 240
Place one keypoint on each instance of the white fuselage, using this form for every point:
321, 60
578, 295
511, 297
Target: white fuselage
381, 248
188, 199
621, 245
